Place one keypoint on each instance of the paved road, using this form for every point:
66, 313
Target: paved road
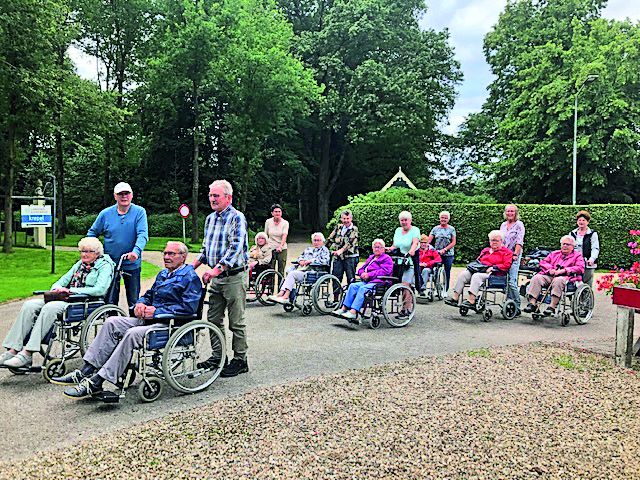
284, 347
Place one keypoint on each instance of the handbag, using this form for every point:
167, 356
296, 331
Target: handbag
477, 267
55, 296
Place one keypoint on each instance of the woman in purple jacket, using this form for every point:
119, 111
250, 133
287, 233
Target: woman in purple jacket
377, 265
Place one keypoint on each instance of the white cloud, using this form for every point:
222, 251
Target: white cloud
622, 9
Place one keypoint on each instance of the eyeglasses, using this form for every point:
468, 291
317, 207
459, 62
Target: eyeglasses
172, 254
216, 195
566, 244
87, 251
123, 194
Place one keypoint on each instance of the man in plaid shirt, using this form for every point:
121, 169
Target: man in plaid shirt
224, 249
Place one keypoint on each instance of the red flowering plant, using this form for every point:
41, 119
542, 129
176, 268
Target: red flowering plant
619, 276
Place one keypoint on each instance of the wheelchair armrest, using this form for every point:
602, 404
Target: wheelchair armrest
178, 320
39, 292
81, 297
388, 279
319, 267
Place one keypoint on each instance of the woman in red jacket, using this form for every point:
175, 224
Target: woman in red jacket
496, 257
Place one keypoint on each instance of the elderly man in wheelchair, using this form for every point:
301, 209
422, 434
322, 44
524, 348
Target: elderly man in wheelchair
59, 316
176, 292
559, 278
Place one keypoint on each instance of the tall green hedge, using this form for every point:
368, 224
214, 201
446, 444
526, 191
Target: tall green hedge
160, 224
544, 224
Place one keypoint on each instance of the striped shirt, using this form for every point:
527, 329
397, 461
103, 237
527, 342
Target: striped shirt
225, 239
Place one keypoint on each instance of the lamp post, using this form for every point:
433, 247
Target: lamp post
589, 79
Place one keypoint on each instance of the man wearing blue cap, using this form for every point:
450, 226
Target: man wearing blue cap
125, 231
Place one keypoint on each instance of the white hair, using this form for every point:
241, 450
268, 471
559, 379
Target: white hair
570, 238
378, 240
261, 235
445, 213
405, 214
91, 243
226, 186
182, 248
317, 234
496, 234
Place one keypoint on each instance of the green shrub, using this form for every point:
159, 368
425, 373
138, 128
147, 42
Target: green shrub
544, 224
160, 224
427, 195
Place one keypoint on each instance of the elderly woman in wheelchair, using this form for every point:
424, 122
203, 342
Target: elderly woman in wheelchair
493, 261
86, 280
379, 264
306, 269
560, 275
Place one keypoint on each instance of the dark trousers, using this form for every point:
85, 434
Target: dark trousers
132, 287
348, 266
416, 268
447, 261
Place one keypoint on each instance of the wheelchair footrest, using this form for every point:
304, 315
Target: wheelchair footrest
107, 397
23, 370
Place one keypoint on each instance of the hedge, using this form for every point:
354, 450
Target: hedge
544, 224
160, 224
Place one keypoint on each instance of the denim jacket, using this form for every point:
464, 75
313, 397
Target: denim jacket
175, 293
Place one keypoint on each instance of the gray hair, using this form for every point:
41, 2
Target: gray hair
405, 214
91, 243
226, 186
378, 240
346, 212
570, 238
496, 234
317, 234
445, 213
182, 248
261, 235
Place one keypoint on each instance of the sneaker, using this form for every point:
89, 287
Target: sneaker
530, 308
518, 313
85, 388
280, 300
451, 302
549, 311
338, 313
236, 366
210, 363
469, 305
422, 294
73, 378
6, 356
403, 315
19, 361
349, 315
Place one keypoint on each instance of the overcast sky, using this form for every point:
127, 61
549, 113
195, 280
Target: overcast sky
468, 21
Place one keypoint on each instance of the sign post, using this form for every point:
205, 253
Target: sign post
184, 212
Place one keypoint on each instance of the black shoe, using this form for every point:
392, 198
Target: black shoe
530, 308
451, 302
210, 363
403, 315
469, 305
236, 367
549, 311
86, 388
518, 313
73, 378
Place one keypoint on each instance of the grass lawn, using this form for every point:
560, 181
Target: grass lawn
28, 269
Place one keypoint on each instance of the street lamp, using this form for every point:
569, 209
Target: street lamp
589, 79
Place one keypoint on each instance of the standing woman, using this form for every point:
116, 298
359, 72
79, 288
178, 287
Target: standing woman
277, 230
343, 243
445, 240
587, 243
513, 232
406, 239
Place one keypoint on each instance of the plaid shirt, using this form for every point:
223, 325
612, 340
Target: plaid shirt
225, 239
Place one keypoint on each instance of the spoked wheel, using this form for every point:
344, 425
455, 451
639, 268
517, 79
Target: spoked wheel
582, 304
150, 389
53, 368
509, 310
193, 357
440, 281
399, 305
94, 323
327, 294
266, 284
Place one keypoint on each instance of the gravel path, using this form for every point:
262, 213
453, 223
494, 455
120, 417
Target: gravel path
536, 411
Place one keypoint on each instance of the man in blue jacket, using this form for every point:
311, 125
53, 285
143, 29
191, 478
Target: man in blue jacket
176, 292
125, 231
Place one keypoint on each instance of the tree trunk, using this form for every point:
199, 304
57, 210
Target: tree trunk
327, 176
9, 180
60, 213
195, 186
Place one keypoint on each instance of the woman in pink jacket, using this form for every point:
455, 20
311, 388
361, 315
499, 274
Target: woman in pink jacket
559, 268
377, 265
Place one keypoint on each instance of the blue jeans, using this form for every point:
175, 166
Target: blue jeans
348, 266
132, 287
512, 289
355, 294
447, 261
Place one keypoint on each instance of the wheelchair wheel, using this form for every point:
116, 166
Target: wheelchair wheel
399, 305
430, 297
440, 282
288, 307
582, 304
307, 308
327, 294
374, 322
267, 283
94, 323
150, 389
481, 302
464, 311
509, 310
53, 368
187, 349
486, 315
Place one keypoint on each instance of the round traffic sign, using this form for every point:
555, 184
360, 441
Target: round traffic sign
184, 210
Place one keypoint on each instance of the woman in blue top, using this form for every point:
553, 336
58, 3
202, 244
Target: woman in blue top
406, 239
445, 239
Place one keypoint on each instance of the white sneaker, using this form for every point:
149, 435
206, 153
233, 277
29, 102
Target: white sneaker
338, 312
281, 300
349, 315
19, 361
6, 356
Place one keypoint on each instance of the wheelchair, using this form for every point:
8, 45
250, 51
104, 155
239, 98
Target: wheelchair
175, 354
72, 332
328, 292
435, 287
577, 302
390, 299
301, 295
263, 281
488, 297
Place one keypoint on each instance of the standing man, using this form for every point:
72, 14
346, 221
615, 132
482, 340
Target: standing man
224, 248
125, 231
